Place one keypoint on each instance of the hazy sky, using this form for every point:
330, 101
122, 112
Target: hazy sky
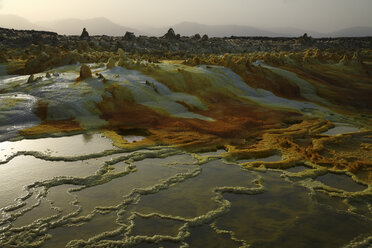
318, 15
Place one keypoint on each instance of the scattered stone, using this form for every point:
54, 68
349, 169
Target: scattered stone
345, 60
85, 72
101, 77
129, 36
121, 53
11, 39
84, 34
111, 63
170, 35
356, 59
152, 85
196, 37
306, 40
31, 79
54, 50
48, 75
56, 74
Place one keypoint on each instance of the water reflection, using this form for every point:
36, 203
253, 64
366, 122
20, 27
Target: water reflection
341, 128
154, 198
343, 182
273, 158
63, 146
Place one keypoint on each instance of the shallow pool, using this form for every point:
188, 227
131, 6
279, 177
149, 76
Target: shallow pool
163, 197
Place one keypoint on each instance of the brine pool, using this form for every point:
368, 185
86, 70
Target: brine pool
81, 191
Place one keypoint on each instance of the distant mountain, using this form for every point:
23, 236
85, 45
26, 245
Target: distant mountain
352, 32
17, 22
347, 32
103, 26
191, 28
95, 26
295, 32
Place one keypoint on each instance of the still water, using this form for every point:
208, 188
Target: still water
81, 191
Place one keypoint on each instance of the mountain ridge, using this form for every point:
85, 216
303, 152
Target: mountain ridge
104, 26
95, 26
17, 22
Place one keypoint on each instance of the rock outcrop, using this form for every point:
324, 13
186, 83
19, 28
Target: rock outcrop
110, 63
170, 35
85, 72
31, 79
169, 43
196, 37
306, 40
129, 36
84, 34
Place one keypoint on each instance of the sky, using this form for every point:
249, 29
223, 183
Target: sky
317, 15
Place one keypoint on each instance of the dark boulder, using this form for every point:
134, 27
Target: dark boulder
129, 36
196, 37
306, 40
84, 34
170, 35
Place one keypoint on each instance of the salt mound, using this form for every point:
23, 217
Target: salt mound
110, 63
85, 72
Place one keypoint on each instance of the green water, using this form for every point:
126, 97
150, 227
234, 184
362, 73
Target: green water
341, 181
297, 169
162, 197
273, 158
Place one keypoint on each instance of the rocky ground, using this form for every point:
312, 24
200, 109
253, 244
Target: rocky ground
197, 92
174, 43
28, 52
200, 105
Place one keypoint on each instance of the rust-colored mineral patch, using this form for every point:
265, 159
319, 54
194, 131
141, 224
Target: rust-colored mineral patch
303, 142
241, 119
53, 126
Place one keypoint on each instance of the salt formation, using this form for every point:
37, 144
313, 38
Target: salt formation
129, 36
31, 79
84, 34
111, 63
170, 35
85, 72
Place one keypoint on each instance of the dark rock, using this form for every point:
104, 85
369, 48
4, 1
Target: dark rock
31, 79
205, 37
196, 37
170, 35
55, 46
84, 34
306, 40
85, 72
129, 36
